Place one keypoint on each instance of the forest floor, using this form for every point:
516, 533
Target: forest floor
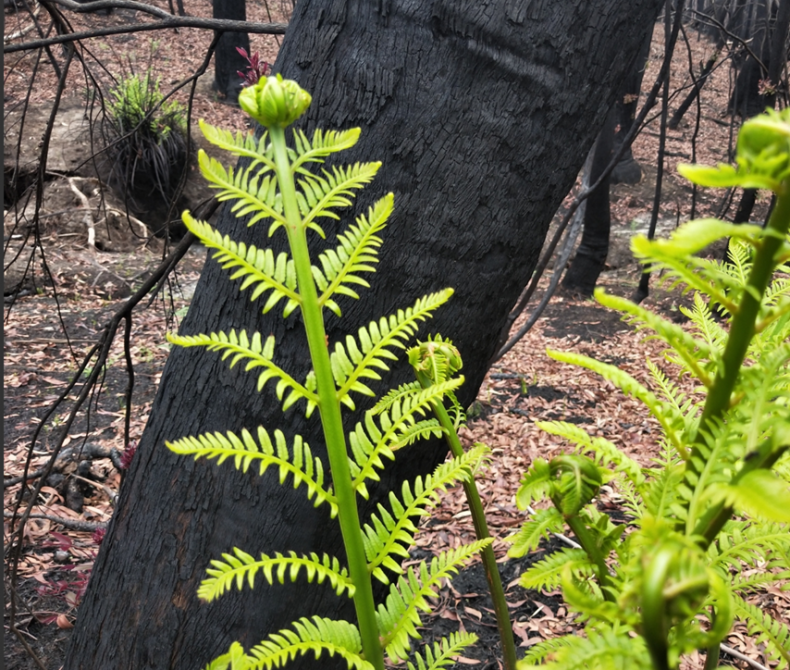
51, 325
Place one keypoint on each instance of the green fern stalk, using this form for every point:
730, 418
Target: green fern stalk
278, 184
718, 498
329, 406
435, 355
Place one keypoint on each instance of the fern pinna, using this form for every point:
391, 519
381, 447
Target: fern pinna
717, 501
284, 186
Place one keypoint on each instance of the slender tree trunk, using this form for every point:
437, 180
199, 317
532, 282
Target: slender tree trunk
227, 61
590, 258
482, 114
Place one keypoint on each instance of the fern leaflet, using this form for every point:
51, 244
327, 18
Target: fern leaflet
259, 355
259, 267
240, 565
398, 618
391, 533
356, 253
298, 463
317, 635
360, 358
443, 652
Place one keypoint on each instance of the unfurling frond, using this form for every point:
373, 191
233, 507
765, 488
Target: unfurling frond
240, 567
390, 532
316, 635
527, 539
443, 652
356, 252
385, 432
299, 462
258, 267
399, 617
361, 358
258, 355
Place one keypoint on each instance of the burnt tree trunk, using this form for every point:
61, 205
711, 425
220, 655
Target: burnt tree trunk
227, 61
590, 258
482, 113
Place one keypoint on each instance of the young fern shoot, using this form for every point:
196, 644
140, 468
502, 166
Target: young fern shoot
282, 186
718, 499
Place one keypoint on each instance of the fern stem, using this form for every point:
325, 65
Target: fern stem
591, 548
714, 519
481, 530
742, 330
329, 408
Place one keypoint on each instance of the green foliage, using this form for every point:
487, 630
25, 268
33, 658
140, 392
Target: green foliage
717, 500
277, 184
146, 138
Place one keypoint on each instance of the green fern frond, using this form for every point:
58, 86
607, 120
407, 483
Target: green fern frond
760, 494
662, 411
661, 494
253, 191
748, 543
601, 649
258, 267
547, 573
741, 583
241, 144
258, 355
316, 635
356, 252
391, 532
535, 484
399, 617
397, 427
542, 524
332, 190
299, 462
605, 452
360, 358
443, 652
707, 328
680, 410
774, 634
240, 566
695, 355
323, 144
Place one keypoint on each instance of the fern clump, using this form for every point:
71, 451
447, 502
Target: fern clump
286, 187
718, 498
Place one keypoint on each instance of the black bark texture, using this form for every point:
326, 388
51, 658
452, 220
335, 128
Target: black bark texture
227, 60
590, 258
482, 113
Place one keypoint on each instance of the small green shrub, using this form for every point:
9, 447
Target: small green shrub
718, 498
146, 138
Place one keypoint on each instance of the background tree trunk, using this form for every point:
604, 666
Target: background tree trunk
482, 113
590, 258
227, 61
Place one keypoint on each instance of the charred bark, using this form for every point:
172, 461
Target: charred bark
590, 258
227, 60
482, 114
